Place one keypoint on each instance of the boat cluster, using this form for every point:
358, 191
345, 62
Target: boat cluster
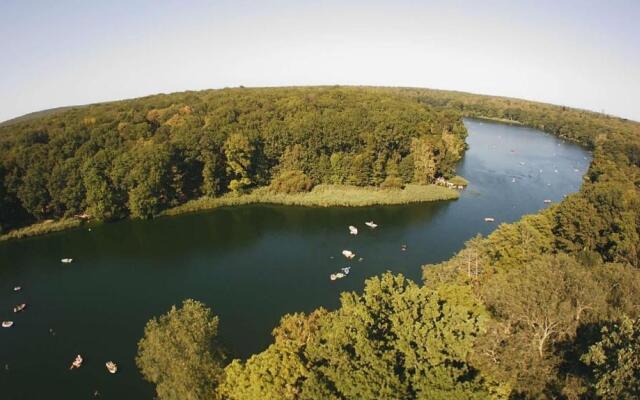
16, 309
545, 201
111, 366
443, 182
348, 254
555, 170
339, 275
77, 363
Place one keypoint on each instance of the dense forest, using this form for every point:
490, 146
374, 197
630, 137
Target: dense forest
138, 157
544, 308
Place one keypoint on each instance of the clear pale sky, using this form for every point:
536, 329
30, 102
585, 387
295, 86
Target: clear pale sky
583, 53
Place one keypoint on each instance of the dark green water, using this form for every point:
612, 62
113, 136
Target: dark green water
250, 264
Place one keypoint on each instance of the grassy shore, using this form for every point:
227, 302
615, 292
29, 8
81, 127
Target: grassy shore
320, 196
41, 228
324, 196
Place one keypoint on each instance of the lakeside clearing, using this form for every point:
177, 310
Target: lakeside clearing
319, 196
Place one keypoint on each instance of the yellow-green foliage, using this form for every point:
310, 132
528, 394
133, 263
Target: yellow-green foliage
616, 361
291, 182
179, 355
366, 350
392, 182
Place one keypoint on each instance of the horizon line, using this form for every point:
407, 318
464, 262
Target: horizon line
240, 86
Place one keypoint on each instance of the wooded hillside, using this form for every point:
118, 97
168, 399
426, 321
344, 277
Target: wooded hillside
138, 157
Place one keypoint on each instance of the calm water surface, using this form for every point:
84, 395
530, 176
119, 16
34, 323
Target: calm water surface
250, 264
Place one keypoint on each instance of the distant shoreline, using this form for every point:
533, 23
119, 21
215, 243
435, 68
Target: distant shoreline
500, 120
320, 196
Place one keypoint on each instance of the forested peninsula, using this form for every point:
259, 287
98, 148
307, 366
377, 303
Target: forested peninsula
544, 308
137, 158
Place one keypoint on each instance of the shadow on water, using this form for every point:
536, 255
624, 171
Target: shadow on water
251, 264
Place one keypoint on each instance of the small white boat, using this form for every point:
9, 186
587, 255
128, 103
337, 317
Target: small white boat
337, 275
371, 224
111, 367
19, 307
17, 288
547, 201
66, 260
77, 362
7, 324
348, 253
353, 230
489, 219
403, 247
346, 270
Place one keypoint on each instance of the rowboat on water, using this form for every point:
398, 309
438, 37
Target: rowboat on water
77, 362
111, 367
348, 253
19, 307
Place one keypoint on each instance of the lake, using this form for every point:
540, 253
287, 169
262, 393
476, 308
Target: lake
250, 264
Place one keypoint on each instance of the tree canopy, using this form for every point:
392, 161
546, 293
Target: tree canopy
179, 353
138, 157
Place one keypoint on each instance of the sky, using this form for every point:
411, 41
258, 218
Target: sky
583, 54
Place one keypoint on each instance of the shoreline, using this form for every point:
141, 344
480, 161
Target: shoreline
319, 196
41, 228
323, 196
498, 120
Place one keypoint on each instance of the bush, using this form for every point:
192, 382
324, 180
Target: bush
392, 182
291, 182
